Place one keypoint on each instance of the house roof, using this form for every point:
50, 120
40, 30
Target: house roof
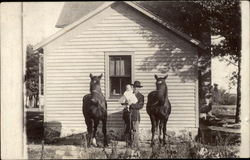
95, 9
73, 11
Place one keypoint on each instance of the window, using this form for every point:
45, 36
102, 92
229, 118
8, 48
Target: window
119, 74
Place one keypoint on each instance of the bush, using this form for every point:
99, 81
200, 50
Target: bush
52, 131
224, 98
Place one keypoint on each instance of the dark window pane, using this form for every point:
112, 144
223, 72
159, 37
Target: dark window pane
120, 74
115, 86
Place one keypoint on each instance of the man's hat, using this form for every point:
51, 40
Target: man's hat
137, 84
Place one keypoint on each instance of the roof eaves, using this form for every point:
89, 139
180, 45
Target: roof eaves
60, 26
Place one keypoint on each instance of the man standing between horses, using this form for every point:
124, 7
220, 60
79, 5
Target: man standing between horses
135, 113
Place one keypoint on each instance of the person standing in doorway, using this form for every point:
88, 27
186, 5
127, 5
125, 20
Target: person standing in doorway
135, 112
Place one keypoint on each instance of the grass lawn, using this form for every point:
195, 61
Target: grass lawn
224, 110
171, 150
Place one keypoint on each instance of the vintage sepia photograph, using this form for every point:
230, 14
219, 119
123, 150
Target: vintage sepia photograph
129, 80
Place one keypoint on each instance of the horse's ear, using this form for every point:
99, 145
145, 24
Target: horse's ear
156, 77
90, 75
100, 76
165, 77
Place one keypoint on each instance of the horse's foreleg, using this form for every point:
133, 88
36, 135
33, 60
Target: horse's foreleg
164, 131
156, 130
156, 126
96, 123
160, 130
153, 123
104, 131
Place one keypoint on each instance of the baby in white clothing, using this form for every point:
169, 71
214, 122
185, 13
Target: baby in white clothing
128, 96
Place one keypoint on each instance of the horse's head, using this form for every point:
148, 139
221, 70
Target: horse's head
160, 82
95, 81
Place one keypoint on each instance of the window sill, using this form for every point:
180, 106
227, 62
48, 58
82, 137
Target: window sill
113, 99
115, 96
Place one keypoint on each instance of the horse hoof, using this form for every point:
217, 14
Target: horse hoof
106, 145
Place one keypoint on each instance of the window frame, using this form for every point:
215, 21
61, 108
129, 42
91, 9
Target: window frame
107, 80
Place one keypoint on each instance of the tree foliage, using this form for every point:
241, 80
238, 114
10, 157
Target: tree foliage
203, 19
224, 98
32, 71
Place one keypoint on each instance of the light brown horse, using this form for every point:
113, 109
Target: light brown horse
159, 108
94, 109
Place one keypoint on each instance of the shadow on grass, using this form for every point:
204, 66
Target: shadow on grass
115, 132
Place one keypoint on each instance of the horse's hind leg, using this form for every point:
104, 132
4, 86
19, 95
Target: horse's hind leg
164, 130
89, 129
104, 131
96, 123
153, 128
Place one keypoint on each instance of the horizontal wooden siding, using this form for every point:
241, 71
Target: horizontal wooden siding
155, 52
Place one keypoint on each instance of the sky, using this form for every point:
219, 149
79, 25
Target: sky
39, 20
39, 23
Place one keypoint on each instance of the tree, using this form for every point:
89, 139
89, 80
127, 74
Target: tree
32, 73
225, 20
224, 98
201, 20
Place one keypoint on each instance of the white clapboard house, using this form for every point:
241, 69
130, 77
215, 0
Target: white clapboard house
125, 42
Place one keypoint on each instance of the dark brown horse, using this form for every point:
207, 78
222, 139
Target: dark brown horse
94, 108
159, 108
